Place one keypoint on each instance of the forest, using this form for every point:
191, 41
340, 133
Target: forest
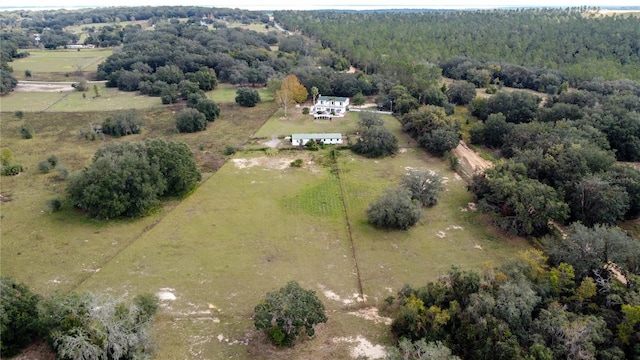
564, 144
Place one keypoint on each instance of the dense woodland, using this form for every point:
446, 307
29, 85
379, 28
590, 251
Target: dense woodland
560, 153
574, 41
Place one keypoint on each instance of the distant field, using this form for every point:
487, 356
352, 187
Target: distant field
61, 62
110, 99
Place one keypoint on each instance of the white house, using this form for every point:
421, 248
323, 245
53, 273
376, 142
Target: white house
330, 105
320, 138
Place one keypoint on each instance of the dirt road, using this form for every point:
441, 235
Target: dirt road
470, 162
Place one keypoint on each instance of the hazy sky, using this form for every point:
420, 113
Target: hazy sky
332, 4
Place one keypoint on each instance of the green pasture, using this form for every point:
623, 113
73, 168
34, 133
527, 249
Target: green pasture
67, 61
110, 99
295, 122
246, 230
226, 93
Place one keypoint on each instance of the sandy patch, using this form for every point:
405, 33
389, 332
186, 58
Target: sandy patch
267, 162
335, 297
470, 161
477, 246
371, 313
53, 87
363, 347
441, 234
273, 143
166, 294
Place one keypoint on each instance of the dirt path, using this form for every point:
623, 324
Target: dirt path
470, 162
48, 86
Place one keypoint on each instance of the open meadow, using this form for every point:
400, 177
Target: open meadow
59, 65
253, 224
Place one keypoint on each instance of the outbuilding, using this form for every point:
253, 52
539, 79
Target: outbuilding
320, 138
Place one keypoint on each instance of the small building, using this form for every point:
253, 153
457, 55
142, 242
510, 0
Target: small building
320, 138
331, 105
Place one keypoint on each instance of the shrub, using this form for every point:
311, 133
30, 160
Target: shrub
10, 170
63, 172
19, 114
44, 167
26, 131
288, 313
394, 210
271, 151
19, 323
53, 160
229, 150
190, 121
6, 156
311, 145
54, 205
305, 111
297, 163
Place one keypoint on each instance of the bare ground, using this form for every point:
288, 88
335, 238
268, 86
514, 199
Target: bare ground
470, 162
53, 87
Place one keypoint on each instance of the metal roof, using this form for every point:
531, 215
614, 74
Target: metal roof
316, 136
334, 98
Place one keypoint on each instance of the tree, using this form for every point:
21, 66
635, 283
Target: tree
286, 314
524, 205
87, 327
314, 93
394, 210
190, 120
376, 142
358, 99
291, 92
205, 78
461, 92
122, 123
19, 323
208, 108
440, 140
496, 130
588, 250
596, 201
425, 186
369, 119
518, 107
120, 181
247, 97
420, 350
176, 164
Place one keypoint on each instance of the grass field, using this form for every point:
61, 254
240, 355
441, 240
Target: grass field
248, 229
60, 65
226, 93
110, 99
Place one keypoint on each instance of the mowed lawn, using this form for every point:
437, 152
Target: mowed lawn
59, 61
226, 93
295, 123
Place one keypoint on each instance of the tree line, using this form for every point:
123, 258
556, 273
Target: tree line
571, 40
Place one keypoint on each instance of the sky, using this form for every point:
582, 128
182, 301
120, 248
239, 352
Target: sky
332, 4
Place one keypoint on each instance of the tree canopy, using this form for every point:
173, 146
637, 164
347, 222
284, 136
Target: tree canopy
288, 313
128, 179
